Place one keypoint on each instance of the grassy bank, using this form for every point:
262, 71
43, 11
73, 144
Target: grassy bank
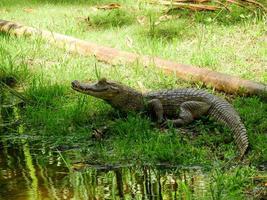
234, 43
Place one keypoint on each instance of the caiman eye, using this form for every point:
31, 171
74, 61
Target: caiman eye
102, 81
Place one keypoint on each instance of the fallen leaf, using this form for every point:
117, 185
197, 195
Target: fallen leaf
164, 18
28, 10
109, 6
129, 42
141, 20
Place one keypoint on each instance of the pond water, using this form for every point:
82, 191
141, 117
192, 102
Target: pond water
32, 173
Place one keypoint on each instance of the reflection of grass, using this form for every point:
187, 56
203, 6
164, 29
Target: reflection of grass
72, 117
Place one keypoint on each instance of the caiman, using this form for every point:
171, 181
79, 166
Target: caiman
177, 106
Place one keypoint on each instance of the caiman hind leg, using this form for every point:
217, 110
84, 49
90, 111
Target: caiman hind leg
189, 111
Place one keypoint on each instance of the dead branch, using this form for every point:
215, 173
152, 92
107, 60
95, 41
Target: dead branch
258, 4
190, 6
212, 5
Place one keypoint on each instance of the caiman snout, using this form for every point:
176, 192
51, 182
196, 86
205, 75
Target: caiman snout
75, 83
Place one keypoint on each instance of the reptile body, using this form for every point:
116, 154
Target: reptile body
178, 106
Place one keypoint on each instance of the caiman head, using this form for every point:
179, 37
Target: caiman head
118, 95
102, 89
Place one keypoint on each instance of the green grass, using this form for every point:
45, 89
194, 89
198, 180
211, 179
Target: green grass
43, 73
110, 19
227, 47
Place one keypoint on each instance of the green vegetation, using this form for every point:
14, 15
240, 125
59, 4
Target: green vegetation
233, 43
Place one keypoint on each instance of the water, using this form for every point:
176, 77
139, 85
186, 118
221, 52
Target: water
41, 173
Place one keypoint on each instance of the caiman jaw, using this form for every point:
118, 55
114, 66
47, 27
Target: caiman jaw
87, 88
75, 85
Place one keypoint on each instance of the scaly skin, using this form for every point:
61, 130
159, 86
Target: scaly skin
179, 106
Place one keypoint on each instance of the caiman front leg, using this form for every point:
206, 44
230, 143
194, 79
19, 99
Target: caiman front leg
189, 111
156, 107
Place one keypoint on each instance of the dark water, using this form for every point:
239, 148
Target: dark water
32, 173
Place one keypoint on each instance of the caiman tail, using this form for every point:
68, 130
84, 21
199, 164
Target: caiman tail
222, 111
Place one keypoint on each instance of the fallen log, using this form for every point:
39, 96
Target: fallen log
220, 81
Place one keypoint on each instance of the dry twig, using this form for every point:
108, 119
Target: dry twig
210, 5
191, 6
109, 6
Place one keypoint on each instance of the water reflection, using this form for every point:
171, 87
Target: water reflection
27, 173
9, 110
